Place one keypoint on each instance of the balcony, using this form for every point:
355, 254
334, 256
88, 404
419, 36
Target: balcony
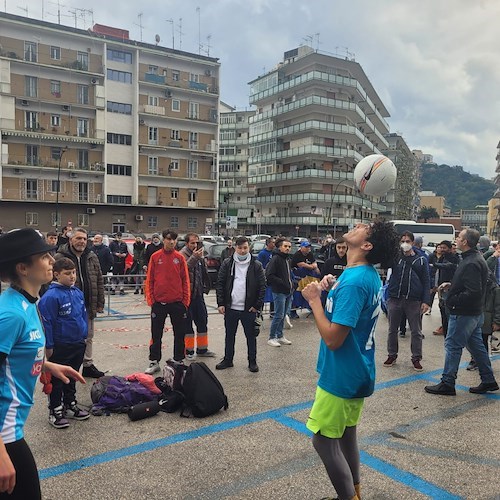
306, 220
201, 87
326, 151
152, 78
154, 110
300, 175
40, 133
37, 162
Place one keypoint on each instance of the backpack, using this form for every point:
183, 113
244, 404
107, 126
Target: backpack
173, 374
118, 395
203, 392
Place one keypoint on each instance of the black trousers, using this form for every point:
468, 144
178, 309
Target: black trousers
231, 319
27, 482
178, 318
65, 354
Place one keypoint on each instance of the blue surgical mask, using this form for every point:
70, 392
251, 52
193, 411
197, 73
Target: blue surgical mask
241, 257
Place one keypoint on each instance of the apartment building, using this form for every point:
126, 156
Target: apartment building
476, 218
104, 132
317, 116
234, 192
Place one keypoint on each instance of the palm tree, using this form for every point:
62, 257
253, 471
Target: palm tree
428, 213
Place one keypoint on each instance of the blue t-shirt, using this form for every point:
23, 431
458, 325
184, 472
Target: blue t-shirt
354, 301
22, 339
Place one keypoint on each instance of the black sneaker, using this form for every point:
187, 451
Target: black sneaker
252, 366
402, 334
442, 389
224, 364
472, 366
92, 372
113, 292
74, 411
484, 387
57, 418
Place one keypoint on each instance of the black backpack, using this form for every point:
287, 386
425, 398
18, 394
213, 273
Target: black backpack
203, 392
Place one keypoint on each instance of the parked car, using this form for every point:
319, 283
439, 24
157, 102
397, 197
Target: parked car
257, 246
213, 260
259, 237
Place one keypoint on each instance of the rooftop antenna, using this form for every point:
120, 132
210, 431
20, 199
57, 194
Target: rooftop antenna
58, 10
140, 23
180, 33
24, 9
198, 10
171, 21
209, 38
73, 12
317, 41
157, 39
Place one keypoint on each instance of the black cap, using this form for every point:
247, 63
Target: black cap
447, 243
20, 243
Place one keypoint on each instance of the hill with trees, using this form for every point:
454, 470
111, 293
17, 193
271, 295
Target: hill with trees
462, 190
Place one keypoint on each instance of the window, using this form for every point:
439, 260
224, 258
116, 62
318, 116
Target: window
30, 51
55, 221
119, 56
119, 199
119, 107
193, 140
176, 76
31, 154
119, 76
122, 139
193, 77
153, 100
55, 153
83, 61
153, 70
152, 165
55, 88
174, 193
174, 222
174, 165
53, 187
175, 135
32, 218
31, 86
152, 221
153, 135
82, 127
83, 191
83, 219
31, 189
194, 108
192, 195
31, 120
113, 169
55, 53
55, 120
83, 94
176, 105
192, 222
83, 158
192, 169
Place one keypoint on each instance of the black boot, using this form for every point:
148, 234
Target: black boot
252, 366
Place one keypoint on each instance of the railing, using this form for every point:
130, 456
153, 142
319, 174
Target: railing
326, 151
49, 162
306, 173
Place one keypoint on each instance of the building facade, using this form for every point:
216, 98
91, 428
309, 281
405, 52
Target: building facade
104, 132
476, 218
430, 199
317, 116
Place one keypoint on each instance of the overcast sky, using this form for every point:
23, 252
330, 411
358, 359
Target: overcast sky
434, 63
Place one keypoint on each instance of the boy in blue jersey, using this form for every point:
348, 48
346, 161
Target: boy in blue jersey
346, 360
64, 318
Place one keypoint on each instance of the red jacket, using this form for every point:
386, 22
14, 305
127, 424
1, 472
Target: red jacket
167, 279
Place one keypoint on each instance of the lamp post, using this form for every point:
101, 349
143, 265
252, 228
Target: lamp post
330, 218
59, 185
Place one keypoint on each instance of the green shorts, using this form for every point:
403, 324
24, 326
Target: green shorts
330, 415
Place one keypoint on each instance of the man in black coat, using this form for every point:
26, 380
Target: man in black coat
103, 254
241, 285
120, 251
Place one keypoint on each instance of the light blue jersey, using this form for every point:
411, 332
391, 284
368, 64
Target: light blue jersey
22, 339
354, 301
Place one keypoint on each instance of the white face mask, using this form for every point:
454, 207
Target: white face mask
406, 247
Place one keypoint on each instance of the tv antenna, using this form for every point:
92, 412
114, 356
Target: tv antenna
198, 10
140, 23
171, 21
179, 30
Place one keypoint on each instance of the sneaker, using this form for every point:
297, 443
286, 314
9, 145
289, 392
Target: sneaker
438, 331
472, 366
402, 334
224, 364
190, 356
273, 343
113, 292
288, 324
416, 365
391, 360
294, 315
429, 312
205, 354
92, 372
153, 367
284, 341
252, 366
484, 387
73, 411
57, 418
136, 292
142, 291
441, 389
495, 348
122, 291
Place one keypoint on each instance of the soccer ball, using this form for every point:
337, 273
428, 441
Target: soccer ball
374, 175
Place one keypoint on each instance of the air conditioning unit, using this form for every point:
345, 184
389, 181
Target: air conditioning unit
65, 108
168, 93
94, 81
142, 122
24, 103
139, 217
208, 72
73, 174
91, 211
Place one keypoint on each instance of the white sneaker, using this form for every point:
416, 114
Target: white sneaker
153, 367
284, 341
288, 324
273, 343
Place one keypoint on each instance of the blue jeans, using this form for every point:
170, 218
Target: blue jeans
465, 331
282, 305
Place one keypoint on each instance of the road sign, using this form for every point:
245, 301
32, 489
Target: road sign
232, 222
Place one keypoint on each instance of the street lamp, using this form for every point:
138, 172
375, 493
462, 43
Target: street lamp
59, 185
330, 218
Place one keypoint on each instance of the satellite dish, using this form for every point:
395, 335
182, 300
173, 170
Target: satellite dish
157, 39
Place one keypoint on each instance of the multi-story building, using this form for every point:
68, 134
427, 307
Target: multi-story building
431, 200
402, 201
317, 116
476, 218
495, 218
103, 131
234, 191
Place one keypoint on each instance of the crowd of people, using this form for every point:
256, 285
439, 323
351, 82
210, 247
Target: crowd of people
343, 293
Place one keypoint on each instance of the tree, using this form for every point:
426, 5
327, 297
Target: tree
428, 213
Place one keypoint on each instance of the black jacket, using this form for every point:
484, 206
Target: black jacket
118, 247
255, 289
105, 257
468, 286
410, 279
335, 265
278, 273
446, 266
151, 249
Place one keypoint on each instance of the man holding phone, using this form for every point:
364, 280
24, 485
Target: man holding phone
197, 312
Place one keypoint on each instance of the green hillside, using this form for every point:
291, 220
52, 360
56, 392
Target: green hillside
461, 189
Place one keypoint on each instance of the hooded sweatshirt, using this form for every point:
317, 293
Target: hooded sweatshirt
238, 294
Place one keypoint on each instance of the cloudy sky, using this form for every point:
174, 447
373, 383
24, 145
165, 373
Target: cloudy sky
435, 63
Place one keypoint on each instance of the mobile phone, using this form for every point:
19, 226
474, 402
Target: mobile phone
199, 245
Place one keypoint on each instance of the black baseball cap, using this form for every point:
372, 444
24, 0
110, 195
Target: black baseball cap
21, 243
